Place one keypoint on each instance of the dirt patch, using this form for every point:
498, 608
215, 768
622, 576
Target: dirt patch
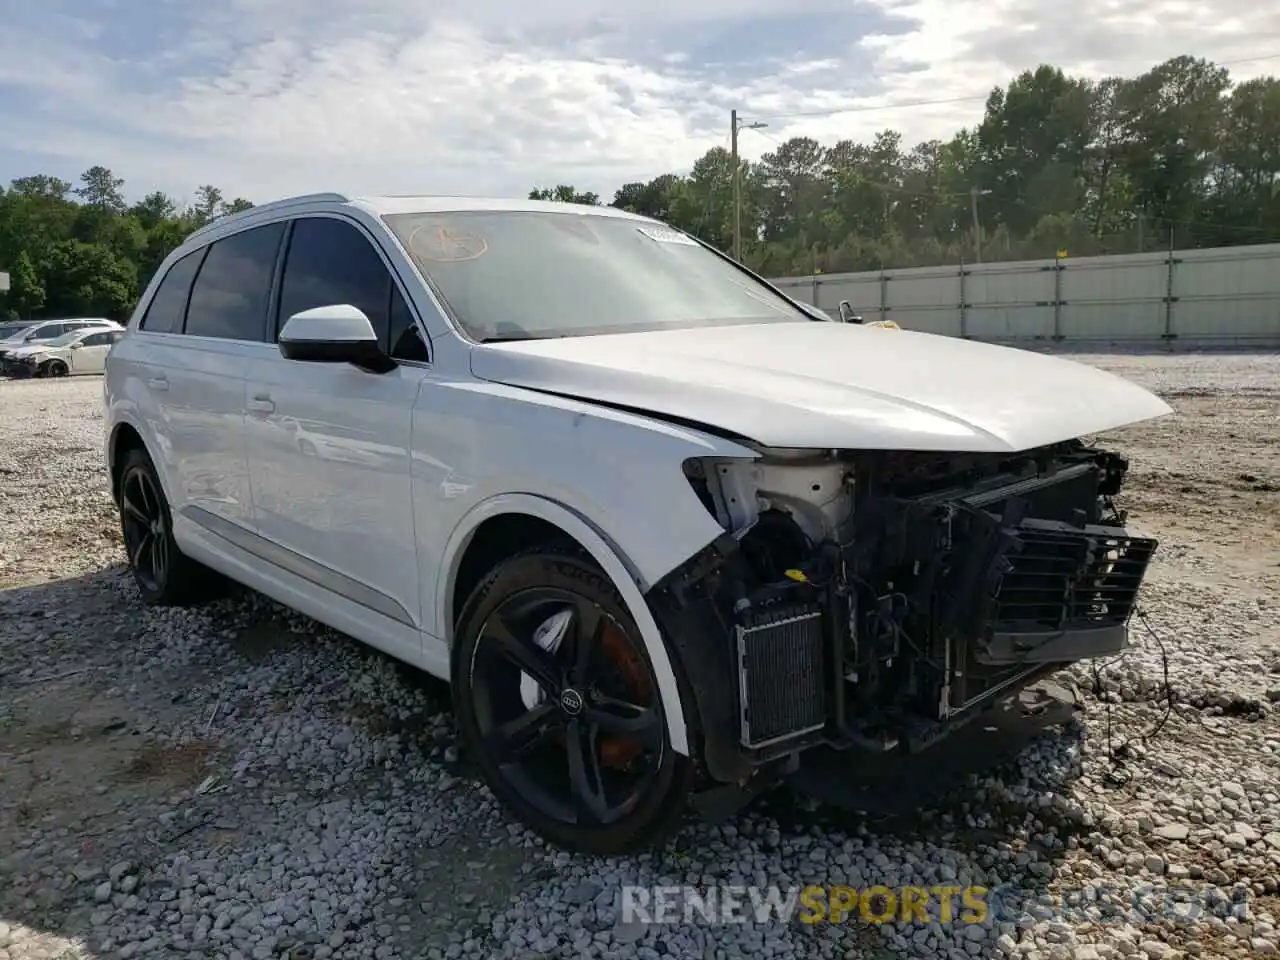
184, 764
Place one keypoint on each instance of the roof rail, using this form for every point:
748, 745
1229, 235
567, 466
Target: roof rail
270, 207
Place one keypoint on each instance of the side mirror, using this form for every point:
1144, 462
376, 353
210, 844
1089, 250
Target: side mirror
846, 313
335, 334
75, 346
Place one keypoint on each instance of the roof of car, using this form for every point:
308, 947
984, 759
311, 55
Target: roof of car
384, 205
74, 320
433, 204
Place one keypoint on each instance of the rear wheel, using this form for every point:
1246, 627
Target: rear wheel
164, 574
558, 703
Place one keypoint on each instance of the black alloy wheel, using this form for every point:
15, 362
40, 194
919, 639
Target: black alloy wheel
559, 704
146, 528
164, 574
56, 368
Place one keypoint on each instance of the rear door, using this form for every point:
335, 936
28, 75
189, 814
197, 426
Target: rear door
197, 374
141, 367
328, 443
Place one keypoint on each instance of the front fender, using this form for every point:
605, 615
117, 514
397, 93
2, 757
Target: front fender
606, 556
622, 471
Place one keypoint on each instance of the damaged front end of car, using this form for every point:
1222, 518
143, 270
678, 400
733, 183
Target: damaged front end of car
878, 601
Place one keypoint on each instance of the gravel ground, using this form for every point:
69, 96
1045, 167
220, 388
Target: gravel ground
237, 782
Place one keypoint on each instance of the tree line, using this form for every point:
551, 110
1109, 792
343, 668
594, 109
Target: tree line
83, 250
1178, 155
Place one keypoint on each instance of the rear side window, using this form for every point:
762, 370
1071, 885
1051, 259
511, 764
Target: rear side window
232, 289
169, 305
331, 262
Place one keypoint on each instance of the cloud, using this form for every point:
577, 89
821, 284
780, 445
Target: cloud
269, 97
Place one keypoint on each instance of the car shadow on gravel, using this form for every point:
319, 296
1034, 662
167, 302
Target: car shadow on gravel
235, 776
1021, 774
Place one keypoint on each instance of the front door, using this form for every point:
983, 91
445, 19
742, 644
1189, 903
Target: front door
328, 443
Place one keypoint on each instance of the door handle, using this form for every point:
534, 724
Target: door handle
262, 405
158, 383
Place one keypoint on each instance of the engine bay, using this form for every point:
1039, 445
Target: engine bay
878, 599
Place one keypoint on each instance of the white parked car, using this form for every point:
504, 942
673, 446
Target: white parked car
72, 354
662, 528
43, 331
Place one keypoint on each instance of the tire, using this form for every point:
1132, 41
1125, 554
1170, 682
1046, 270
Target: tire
55, 368
623, 743
306, 448
166, 577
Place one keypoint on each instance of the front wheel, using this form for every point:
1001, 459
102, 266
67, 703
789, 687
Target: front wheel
55, 368
558, 702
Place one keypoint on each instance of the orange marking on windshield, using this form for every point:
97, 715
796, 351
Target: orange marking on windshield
446, 246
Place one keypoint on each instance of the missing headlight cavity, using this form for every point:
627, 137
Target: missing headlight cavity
886, 597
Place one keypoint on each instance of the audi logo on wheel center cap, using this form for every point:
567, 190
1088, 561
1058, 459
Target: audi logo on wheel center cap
571, 701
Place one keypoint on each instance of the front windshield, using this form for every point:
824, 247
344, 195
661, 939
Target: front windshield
61, 341
529, 274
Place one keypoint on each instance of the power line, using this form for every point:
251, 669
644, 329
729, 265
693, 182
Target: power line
912, 104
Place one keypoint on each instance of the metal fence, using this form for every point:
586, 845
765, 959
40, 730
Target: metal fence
1221, 295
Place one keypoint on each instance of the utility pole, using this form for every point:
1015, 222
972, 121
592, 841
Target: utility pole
735, 124
974, 193
977, 227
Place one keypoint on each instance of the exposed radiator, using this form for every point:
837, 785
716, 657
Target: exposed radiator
781, 673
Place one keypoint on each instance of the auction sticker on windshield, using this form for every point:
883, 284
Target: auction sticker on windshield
441, 245
667, 236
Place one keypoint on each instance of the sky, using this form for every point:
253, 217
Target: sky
268, 98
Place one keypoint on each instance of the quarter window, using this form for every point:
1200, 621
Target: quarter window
331, 262
406, 340
232, 289
168, 306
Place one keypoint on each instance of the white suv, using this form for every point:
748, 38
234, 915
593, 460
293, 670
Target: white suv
666, 531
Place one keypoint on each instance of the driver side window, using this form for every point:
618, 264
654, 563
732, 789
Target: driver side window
330, 262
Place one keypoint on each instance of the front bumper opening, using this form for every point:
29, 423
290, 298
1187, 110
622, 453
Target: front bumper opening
937, 609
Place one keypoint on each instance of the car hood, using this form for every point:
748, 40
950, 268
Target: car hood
31, 349
819, 385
